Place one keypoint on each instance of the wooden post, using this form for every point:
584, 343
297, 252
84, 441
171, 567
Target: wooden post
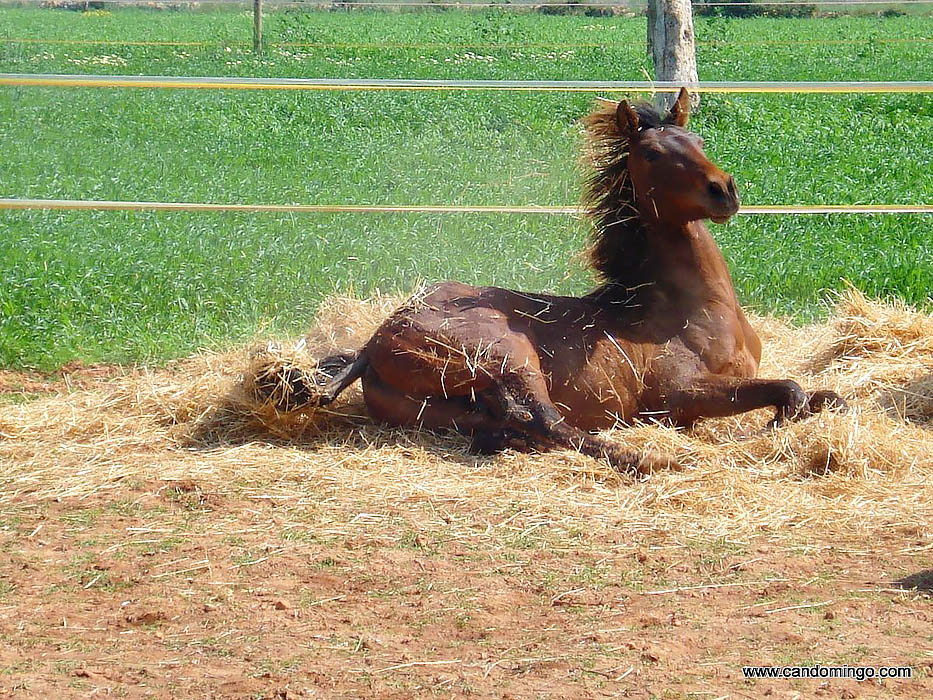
652, 14
257, 26
672, 45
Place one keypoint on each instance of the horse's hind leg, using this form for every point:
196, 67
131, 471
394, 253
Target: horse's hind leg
290, 388
513, 413
336, 373
529, 411
390, 405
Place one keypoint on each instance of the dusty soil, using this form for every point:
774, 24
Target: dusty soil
166, 590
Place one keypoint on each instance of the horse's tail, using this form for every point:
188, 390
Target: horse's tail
288, 387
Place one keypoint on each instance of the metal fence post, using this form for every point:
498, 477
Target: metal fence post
257, 26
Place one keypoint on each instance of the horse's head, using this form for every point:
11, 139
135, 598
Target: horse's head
673, 179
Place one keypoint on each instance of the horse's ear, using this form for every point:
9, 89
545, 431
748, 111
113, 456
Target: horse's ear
680, 112
627, 118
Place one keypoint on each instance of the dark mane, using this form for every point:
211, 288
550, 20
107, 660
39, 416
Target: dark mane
619, 248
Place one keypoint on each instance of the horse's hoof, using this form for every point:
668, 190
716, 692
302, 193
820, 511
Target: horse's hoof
795, 407
485, 443
490, 442
826, 399
649, 463
642, 464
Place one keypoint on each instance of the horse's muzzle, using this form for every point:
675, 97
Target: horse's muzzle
725, 198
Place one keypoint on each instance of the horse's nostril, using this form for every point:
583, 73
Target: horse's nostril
732, 190
716, 190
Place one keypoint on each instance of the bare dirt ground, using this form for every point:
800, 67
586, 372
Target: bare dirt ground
165, 590
151, 550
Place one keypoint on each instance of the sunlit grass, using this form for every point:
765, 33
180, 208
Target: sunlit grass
112, 286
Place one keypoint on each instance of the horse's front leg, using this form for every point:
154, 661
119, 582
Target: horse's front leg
716, 396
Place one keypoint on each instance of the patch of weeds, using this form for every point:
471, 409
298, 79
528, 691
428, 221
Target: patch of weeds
858, 654
109, 585
66, 666
6, 588
311, 598
10, 522
522, 541
129, 507
213, 646
83, 518
590, 576
793, 655
74, 646
26, 666
94, 578
244, 558
87, 575
187, 496
125, 507
21, 397
162, 546
134, 483
412, 539
54, 588
294, 534
386, 593
78, 565
719, 548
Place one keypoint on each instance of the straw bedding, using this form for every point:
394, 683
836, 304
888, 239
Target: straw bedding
849, 474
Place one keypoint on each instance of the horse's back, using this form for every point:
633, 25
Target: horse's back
447, 340
456, 339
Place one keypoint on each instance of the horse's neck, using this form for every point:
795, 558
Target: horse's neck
683, 269
691, 265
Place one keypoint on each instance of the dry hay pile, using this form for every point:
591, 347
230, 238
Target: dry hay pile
849, 474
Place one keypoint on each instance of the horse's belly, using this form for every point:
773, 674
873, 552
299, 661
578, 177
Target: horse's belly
594, 399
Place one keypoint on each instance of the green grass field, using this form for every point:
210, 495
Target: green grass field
149, 287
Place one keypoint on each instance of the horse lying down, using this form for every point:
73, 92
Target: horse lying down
662, 336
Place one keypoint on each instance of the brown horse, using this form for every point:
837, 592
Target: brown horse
662, 337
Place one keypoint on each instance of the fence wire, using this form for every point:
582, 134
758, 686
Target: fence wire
389, 84
101, 205
340, 4
454, 45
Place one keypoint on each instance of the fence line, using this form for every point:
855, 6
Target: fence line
454, 45
486, 5
466, 5
339, 84
102, 205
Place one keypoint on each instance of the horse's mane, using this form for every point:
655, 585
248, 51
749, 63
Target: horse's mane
619, 246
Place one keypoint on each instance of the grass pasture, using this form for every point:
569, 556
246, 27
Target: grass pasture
117, 287
164, 537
